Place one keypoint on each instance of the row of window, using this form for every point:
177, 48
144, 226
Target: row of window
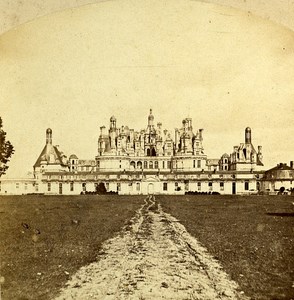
177, 187
151, 164
83, 169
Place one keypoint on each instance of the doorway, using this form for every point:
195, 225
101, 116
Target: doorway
233, 188
60, 188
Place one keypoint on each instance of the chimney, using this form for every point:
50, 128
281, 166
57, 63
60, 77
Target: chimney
48, 136
248, 135
291, 164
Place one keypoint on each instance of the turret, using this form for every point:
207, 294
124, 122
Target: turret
189, 120
49, 136
150, 118
185, 125
113, 123
248, 135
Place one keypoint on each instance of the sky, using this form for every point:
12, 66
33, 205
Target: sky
72, 70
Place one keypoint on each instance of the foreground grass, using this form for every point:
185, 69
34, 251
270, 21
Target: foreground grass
45, 239
251, 236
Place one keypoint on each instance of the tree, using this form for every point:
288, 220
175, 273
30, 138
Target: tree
6, 150
281, 191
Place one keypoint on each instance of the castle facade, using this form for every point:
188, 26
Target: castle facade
149, 161
152, 160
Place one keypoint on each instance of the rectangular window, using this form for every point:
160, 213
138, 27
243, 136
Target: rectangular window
156, 164
49, 186
98, 164
145, 165
71, 186
118, 187
138, 186
210, 186
221, 184
199, 186
246, 187
194, 163
163, 165
198, 163
176, 186
84, 186
26, 186
17, 185
168, 164
165, 186
37, 187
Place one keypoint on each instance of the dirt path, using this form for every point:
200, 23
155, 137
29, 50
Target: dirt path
153, 258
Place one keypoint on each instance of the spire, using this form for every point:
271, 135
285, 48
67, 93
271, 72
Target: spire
49, 136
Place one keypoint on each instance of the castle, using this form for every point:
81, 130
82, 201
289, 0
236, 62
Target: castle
152, 160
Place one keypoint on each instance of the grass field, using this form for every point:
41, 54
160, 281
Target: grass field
251, 236
45, 239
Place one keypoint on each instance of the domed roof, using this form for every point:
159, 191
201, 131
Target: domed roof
73, 156
248, 129
49, 130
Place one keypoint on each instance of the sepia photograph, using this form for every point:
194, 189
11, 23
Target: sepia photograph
146, 149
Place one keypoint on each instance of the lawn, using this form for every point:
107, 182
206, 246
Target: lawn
252, 237
45, 239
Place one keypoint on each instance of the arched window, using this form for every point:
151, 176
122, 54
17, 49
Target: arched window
148, 152
145, 164
139, 165
133, 164
153, 152
150, 164
156, 164
138, 186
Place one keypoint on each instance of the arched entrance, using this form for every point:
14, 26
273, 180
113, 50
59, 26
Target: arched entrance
150, 189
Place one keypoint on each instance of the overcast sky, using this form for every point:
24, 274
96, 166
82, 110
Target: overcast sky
70, 71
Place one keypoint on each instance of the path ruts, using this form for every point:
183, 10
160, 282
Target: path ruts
153, 257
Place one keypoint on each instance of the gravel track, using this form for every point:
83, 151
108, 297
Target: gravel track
153, 257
